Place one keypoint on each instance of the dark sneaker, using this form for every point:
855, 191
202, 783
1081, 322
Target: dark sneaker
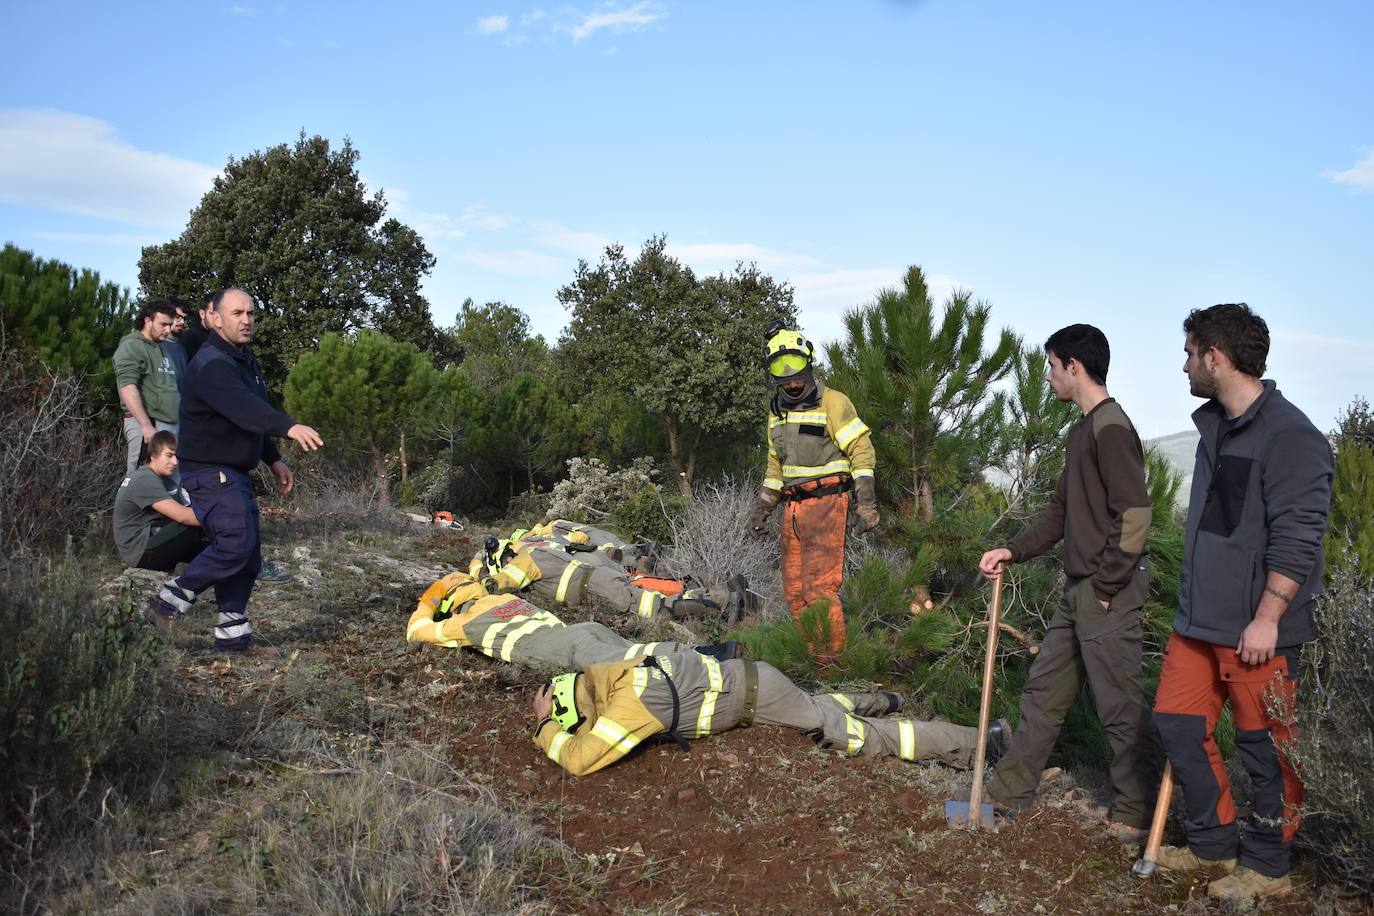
999, 739
270, 573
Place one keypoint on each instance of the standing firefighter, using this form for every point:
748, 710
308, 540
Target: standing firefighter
591, 720
818, 451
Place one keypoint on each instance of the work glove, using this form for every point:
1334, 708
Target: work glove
757, 524
866, 495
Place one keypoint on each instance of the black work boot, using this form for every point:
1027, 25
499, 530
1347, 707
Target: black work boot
999, 739
741, 600
723, 651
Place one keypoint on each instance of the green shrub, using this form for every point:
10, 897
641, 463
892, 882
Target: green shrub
78, 691
1334, 752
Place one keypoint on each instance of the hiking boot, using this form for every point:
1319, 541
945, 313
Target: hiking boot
163, 616
1245, 883
701, 602
1181, 858
999, 739
1125, 833
269, 572
722, 651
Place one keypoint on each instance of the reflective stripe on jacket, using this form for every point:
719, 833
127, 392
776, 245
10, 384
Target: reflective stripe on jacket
632, 702
806, 445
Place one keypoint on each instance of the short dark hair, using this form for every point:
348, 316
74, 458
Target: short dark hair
160, 441
1234, 330
1084, 343
159, 305
218, 297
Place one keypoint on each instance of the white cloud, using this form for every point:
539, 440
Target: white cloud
242, 10
56, 160
477, 215
1361, 174
631, 19
556, 235
492, 25
714, 256
517, 261
284, 42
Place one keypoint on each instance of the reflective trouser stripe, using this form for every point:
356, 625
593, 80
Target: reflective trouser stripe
647, 603
562, 595
856, 731
640, 681
843, 700
556, 748
619, 738
511, 631
231, 625
708, 699
906, 732
640, 648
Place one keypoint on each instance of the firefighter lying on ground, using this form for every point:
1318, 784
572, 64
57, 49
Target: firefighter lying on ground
557, 570
590, 720
644, 558
457, 612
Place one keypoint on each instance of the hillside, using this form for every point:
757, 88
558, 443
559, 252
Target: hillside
367, 775
1181, 450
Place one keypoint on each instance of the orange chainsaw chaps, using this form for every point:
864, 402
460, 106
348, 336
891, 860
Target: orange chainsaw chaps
813, 561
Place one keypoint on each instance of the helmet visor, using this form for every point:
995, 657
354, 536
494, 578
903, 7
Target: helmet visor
787, 364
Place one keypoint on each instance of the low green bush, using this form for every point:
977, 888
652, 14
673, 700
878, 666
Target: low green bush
1334, 751
78, 692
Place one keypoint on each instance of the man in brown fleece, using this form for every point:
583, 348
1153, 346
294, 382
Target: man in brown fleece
1101, 510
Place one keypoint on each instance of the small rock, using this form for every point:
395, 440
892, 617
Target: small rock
683, 796
301, 552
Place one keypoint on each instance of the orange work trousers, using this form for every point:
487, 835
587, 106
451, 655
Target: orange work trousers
1196, 680
813, 556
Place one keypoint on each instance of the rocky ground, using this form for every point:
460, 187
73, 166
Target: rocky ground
753, 821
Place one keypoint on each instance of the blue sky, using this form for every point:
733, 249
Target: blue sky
1111, 163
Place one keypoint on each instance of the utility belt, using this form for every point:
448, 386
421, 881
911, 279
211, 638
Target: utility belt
825, 486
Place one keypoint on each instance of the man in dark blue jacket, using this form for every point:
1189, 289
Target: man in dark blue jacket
227, 427
1252, 565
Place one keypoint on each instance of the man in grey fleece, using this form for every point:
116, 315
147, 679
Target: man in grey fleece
1252, 565
1101, 511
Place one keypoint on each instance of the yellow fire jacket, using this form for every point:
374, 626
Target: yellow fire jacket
806, 445
492, 624
629, 701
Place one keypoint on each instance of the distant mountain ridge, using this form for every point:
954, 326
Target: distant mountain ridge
1181, 450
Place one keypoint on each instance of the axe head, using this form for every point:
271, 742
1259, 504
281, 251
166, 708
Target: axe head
1144, 867
957, 815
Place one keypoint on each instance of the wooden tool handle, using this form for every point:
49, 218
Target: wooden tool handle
1166, 794
985, 707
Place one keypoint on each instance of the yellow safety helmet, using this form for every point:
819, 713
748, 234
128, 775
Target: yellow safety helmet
564, 708
787, 354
